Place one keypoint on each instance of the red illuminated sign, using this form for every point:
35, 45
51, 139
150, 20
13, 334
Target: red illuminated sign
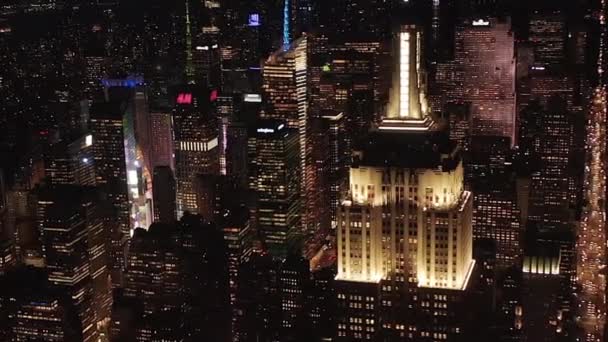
184, 98
213, 95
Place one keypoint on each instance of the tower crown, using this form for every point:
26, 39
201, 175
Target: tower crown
408, 90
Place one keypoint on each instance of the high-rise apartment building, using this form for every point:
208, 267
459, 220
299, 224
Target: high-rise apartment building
406, 225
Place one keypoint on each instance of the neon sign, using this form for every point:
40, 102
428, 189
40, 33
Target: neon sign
184, 98
254, 20
480, 22
213, 95
265, 130
257, 98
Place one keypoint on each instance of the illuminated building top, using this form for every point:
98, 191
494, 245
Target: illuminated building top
407, 108
407, 217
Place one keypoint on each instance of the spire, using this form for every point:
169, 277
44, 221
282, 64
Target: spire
286, 25
407, 106
189, 63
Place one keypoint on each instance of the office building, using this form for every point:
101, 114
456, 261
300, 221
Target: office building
550, 190
74, 238
164, 192
294, 284
153, 274
107, 139
168, 277
82, 160
37, 311
196, 144
277, 184
406, 226
8, 260
548, 37
483, 74
544, 318
238, 235
338, 160
319, 177
257, 300
285, 89
57, 165
161, 138
496, 217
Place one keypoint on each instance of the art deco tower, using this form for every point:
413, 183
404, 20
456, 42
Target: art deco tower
408, 91
404, 234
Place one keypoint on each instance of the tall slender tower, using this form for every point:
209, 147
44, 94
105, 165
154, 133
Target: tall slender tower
285, 87
404, 232
189, 70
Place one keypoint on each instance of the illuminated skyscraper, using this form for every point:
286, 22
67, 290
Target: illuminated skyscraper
495, 216
82, 160
73, 239
38, 311
407, 97
548, 38
293, 285
182, 292
195, 132
108, 144
237, 235
338, 160
544, 320
57, 165
319, 213
406, 225
277, 184
153, 270
161, 138
286, 94
483, 73
550, 191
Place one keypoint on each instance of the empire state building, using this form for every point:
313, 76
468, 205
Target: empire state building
404, 233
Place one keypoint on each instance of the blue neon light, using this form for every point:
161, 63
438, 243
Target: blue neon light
254, 20
286, 28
